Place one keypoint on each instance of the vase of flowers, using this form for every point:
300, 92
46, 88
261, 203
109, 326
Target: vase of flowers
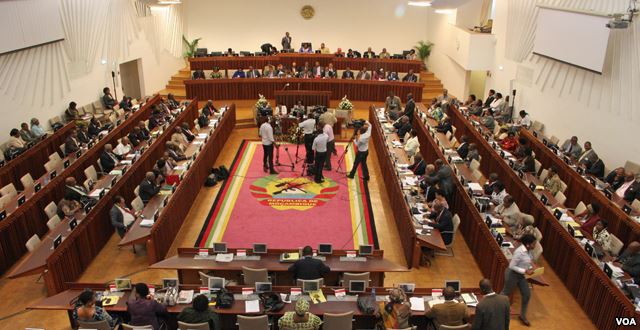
262, 102
346, 105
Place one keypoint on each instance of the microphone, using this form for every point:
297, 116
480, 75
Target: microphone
113, 74
285, 86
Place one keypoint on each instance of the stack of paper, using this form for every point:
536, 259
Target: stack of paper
474, 186
417, 304
202, 135
317, 297
396, 143
146, 223
224, 257
185, 296
470, 299
434, 302
252, 306
96, 193
537, 272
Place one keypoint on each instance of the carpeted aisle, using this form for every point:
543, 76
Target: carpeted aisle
289, 210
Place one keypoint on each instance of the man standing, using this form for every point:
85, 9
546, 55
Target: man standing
493, 311
286, 41
410, 107
266, 133
308, 268
328, 121
362, 143
521, 264
308, 126
393, 106
320, 148
107, 100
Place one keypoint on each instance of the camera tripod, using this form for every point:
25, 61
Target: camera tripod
346, 149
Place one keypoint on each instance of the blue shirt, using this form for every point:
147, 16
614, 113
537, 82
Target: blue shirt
239, 74
37, 130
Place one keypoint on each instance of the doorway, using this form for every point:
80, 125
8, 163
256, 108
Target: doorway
130, 73
477, 81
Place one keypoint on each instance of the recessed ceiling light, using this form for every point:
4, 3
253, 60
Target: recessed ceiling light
444, 11
420, 3
169, 2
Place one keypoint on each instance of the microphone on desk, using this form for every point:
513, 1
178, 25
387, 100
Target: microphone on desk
285, 86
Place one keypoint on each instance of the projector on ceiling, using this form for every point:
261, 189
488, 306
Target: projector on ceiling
617, 24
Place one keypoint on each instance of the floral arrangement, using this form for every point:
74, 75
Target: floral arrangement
345, 104
262, 102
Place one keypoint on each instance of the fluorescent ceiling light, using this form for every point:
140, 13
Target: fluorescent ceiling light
444, 11
169, 2
420, 3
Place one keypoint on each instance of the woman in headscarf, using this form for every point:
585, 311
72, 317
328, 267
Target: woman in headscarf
300, 318
395, 313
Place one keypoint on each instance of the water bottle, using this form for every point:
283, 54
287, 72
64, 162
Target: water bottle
373, 293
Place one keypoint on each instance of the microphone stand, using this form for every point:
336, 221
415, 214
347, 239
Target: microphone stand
346, 149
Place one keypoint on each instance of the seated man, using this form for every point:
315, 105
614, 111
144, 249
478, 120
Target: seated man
392, 76
588, 155
323, 49
630, 189
412, 55
363, 74
369, 53
26, 134
451, 312
134, 136
238, 74
318, 70
630, 260
198, 74
441, 219
107, 100
253, 73
36, 128
72, 144
463, 148
379, 74
410, 77
595, 168
419, 166
571, 148
507, 210
347, 74
412, 145
384, 54
124, 147
72, 113
108, 160
402, 127
330, 71
472, 154
339, 52
75, 191
552, 182
445, 126
308, 268
488, 120
179, 139
215, 73
94, 127
149, 187
125, 103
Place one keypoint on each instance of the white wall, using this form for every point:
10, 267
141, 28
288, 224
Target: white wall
28, 92
554, 99
357, 24
602, 109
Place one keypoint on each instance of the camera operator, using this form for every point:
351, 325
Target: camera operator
327, 119
362, 135
308, 127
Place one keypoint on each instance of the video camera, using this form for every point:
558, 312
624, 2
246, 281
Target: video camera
358, 123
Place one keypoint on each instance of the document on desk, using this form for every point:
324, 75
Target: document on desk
410, 181
202, 135
96, 193
417, 304
146, 223
252, 306
475, 186
537, 272
224, 257
434, 302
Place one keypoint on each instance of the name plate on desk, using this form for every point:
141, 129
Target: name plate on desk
203, 252
78, 153
580, 170
608, 193
21, 200
66, 163
535, 134
37, 187
3, 214
532, 186
544, 199
627, 209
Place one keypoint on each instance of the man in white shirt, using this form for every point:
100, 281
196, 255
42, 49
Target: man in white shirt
524, 120
521, 264
281, 110
331, 145
266, 133
362, 143
123, 148
629, 179
499, 193
308, 127
319, 146
412, 145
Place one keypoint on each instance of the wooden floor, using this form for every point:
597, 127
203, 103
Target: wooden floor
551, 307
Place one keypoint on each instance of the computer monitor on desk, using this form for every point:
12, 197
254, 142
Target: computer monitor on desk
310, 285
262, 287
455, 284
365, 250
259, 248
357, 286
325, 248
608, 270
219, 247
216, 283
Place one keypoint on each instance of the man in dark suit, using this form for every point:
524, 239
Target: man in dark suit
108, 159
186, 131
443, 177
493, 311
363, 74
107, 100
410, 77
73, 190
118, 213
347, 74
402, 127
253, 73
615, 178
595, 168
94, 127
318, 70
633, 192
308, 268
451, 312
286, 41
72, 144
144, 133
198, 74
441, 219
463, 149
209, 109
419, 166
490, 98
369, 53
410, 108
134, 137
148, 187
488, 186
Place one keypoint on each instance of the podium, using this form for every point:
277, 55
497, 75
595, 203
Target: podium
291, 97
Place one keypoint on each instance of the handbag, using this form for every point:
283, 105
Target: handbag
272, 302
224, 299
367, 305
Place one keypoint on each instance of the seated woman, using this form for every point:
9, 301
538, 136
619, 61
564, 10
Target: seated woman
522, 228
174, 152
215, 74
601, 235
87, 311
590, 217
510, 143
439, 197
445, 126
527, 164
473, 153
144, 310
199, 312
300, 318
395, 313
67, 207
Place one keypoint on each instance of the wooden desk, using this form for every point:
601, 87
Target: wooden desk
188, 267
168, 224
71, 258
32, 160
30, 219
228, 316
291, 98
579, 189
485, 249
249, 88
584, 278
287, 59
